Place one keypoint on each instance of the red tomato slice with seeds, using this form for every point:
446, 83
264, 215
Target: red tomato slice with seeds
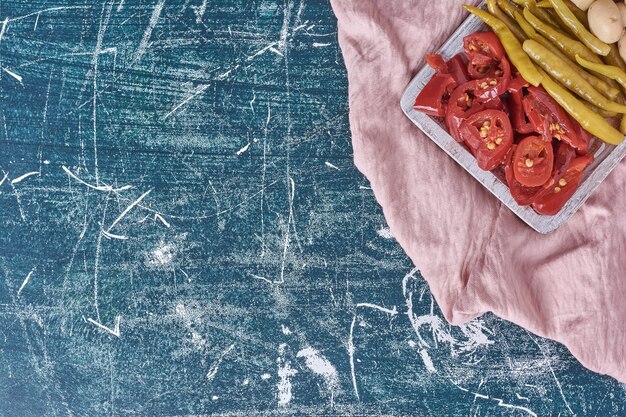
550, 120
494, 84
484, 44
484, 52
557, 192
463, 103
489, 135
533, 161
434, 96
522, 194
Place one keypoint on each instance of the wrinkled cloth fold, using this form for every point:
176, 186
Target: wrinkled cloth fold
476, 255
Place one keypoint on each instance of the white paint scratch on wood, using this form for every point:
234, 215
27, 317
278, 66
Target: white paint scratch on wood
23, 177
428, 362
25, 281
51, 9
224, 75
285, 372
351, 351
145, 40
244, 149
16, 194
261, 278
200, 10
558, 384
199, 90
5, 23
94, 62
392, 312
162, 220
262, 51
116, 329
286, 238
319, 365
216, 365
500, 401
385, 233
14, 75
473, 332
127, 209
276, 51
96, 187
113, 236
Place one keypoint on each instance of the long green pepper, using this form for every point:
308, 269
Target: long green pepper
566, 44
590, 121
613, 58
602, 86
509, 8
568, 76
580, 14
613, 72
601, 112
511, 45
493, 8
586, 37
539, 12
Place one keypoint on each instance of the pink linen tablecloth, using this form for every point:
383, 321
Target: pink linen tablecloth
477, 256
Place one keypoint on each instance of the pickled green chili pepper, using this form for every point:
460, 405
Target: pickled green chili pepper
569, 77
569, 46
493, 8
613, 58
613, 72
511, 45
586, 37
622, 122
509, 8
528, 29
600, 85
580, 14
601, 112
590, 121
560, 25
539, 12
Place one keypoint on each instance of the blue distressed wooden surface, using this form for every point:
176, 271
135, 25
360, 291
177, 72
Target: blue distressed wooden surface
248, 271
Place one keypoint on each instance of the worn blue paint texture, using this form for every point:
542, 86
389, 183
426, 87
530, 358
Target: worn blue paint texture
183, 232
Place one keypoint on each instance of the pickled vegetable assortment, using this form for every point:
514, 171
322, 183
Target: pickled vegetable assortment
527, 97
506, 123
